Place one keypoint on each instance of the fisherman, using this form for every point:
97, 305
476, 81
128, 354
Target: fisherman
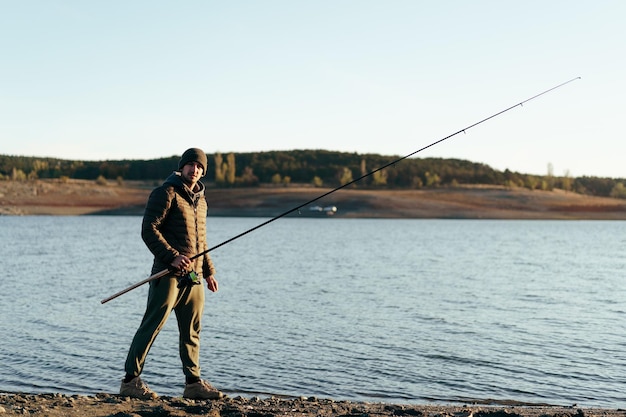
174, 230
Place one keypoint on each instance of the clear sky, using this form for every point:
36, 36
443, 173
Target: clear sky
140, 79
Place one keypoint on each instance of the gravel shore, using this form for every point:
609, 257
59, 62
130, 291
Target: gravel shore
101, 405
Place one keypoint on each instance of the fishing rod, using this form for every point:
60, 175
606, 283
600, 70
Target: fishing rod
465, 129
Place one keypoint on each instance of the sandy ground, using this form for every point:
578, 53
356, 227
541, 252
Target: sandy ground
57, 405
75, 197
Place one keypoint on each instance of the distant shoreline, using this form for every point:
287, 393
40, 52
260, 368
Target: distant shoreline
79, 197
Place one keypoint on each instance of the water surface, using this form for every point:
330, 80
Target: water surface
381, 310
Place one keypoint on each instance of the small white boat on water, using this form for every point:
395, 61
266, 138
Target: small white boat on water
328, 210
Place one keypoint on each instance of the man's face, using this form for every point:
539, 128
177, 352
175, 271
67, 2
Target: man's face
192, 172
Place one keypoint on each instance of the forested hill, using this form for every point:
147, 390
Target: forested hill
316, 167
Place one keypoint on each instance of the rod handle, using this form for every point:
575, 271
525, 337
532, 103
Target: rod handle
140, 283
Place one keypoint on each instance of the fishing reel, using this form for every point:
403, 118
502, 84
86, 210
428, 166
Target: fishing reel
188, 279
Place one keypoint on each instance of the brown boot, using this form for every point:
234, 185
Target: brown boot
136, 388
201, 390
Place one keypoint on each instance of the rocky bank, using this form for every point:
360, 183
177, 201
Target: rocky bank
106, 405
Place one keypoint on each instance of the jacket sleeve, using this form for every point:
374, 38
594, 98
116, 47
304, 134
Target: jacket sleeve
155, 215
207, 266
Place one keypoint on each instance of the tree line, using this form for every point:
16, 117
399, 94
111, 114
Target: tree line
319, 168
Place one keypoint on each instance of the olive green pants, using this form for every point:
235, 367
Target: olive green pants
188, 305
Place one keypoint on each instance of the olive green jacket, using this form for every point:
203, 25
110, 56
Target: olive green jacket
174, 223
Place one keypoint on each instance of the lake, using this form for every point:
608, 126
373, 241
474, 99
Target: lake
411, 311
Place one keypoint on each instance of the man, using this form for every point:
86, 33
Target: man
174, 230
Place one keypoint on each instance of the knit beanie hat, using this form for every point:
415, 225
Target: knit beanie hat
193, 155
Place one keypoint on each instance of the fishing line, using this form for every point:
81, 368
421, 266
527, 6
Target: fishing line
464, 130
380, 169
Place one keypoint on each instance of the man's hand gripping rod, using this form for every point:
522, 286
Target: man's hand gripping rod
166, 271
